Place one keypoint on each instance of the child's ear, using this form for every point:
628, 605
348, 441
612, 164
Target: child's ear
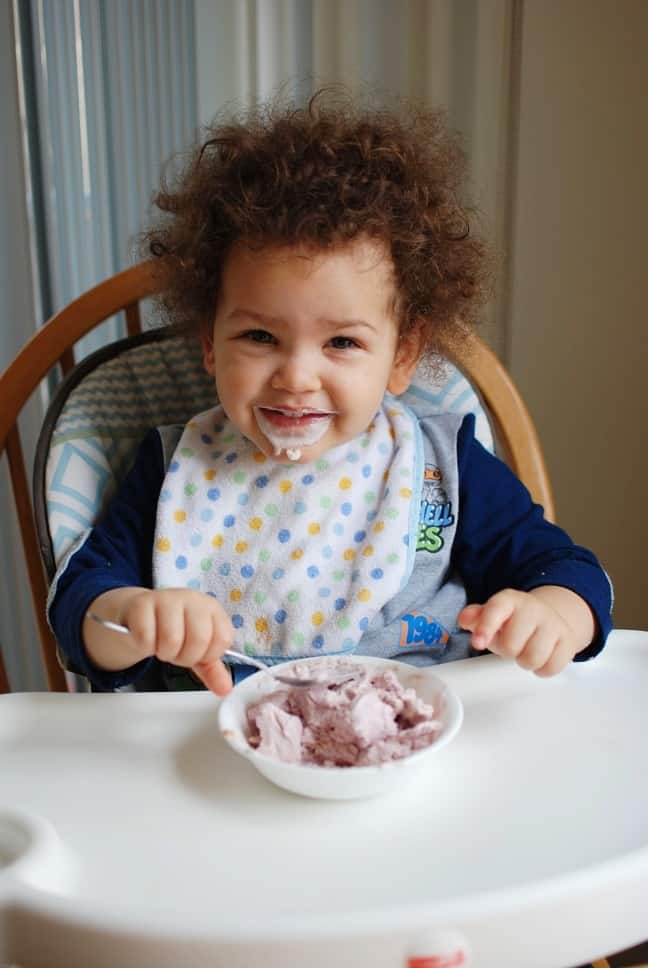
407, 356
207, 343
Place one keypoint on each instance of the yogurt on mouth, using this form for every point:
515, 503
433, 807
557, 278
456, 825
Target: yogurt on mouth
294, 430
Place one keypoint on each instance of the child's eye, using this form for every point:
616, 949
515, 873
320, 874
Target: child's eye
258, 336
343, 343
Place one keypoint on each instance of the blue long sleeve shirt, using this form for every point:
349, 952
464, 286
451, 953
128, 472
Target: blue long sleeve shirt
502, 540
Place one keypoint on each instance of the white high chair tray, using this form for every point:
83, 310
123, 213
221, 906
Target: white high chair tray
131, 835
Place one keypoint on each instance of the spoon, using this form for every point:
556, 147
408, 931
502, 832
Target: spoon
338, 680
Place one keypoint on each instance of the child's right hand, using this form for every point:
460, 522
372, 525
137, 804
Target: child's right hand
176, 625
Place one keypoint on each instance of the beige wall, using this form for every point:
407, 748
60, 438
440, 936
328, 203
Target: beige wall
578, 323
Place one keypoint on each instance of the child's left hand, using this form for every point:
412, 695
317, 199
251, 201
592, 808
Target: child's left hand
542, 629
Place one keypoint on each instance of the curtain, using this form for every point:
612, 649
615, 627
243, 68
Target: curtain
458, 54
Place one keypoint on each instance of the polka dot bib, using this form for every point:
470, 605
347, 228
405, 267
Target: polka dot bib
301, 556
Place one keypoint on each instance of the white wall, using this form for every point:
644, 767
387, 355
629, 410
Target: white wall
578, 320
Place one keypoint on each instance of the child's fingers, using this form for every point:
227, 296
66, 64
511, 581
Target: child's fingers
210, 669
469, 616
561, 656
538, 649
198, 635
170, 628
140, 617
494, 614
214, 675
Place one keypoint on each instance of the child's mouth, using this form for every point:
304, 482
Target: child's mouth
295, 421
290, 429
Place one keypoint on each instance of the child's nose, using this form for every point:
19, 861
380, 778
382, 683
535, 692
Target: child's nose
297, 373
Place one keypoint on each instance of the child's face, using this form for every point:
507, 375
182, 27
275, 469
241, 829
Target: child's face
305, 345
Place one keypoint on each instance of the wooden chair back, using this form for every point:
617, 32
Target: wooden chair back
53, 346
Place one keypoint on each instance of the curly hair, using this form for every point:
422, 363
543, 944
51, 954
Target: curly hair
320, 177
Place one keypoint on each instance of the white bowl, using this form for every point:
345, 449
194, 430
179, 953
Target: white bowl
335, 782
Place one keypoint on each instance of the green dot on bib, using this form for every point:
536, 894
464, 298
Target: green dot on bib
264, 555
392, 513
343, 622
271, 510
325, 502
392, 558
297, 638
206, 564
338, 574
228, 437
405, 472
293, 595
249, 649
186, 451
239, 476
321, 464
369, 497
190, 489
260, 597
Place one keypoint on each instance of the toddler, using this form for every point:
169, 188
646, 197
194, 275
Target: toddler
319, 255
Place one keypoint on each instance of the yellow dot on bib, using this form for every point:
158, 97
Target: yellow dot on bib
261, 625
349, 554
255, 523
285, 486
368, 551
379, 526
209, 475
259, 457
393, 412
217, 541
240, 546
364, 595
235, 595
317, 618
344, 483
392, 433
296, 554
163, 544
405, 492
314, 528
179, 516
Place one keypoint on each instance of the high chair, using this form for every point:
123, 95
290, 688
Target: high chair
107, 401
93, 425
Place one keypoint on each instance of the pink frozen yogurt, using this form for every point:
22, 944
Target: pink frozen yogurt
371, 719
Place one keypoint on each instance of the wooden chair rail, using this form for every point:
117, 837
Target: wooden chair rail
51, 345
53, 342
55, 675
519, 440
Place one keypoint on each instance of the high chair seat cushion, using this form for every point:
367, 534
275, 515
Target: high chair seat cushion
106, 413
